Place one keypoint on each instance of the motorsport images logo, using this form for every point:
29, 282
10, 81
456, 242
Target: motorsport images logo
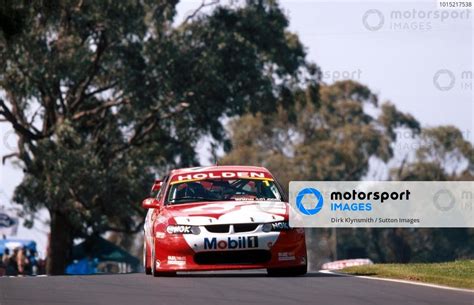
308, 192
403, 204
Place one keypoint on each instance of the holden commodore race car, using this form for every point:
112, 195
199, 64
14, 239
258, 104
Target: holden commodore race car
221, 218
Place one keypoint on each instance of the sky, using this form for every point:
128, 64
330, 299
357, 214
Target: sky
409, 53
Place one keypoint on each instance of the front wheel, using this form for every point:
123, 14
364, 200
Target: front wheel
145, 260
292, 271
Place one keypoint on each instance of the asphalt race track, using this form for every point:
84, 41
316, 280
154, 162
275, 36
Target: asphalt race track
221, 288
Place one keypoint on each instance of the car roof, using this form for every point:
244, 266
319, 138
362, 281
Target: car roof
215, 168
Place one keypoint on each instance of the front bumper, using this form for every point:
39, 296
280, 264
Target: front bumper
257, 250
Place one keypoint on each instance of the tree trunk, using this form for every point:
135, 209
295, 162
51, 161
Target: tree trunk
60, 244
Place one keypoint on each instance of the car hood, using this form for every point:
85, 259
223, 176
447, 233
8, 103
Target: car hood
228, 212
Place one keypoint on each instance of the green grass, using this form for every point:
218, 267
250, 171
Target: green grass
455, 274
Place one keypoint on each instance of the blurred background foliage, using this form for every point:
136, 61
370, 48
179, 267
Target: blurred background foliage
336, 138
104, 96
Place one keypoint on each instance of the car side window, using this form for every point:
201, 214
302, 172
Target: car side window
159, 196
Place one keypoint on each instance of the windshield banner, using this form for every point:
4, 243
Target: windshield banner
220, 175
407, 204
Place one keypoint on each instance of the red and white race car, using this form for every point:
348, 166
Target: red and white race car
221, 218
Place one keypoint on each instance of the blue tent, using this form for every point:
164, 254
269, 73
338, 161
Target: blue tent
94, 250
16, 243
84, 266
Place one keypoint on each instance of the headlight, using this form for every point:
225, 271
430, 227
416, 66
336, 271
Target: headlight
183, 229
267, 227
275, 226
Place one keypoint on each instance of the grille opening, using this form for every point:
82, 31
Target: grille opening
241, 257
218, 228
245, 227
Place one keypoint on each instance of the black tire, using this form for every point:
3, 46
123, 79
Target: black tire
293, 271
147, 269
155, 272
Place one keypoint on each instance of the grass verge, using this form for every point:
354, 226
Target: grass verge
458, 274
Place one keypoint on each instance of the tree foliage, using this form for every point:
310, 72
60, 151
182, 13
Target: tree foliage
333, 136
442, 153
103, 94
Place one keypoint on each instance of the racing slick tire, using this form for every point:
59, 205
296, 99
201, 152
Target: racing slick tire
147, 269
155, 272
292, 271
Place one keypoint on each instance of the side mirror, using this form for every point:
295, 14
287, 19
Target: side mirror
150, 203
157, 185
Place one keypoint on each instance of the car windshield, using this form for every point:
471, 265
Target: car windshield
223, 190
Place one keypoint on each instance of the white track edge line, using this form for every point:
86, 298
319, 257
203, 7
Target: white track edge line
398, 281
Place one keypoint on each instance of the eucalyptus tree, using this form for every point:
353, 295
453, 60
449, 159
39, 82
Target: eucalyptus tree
104, 94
